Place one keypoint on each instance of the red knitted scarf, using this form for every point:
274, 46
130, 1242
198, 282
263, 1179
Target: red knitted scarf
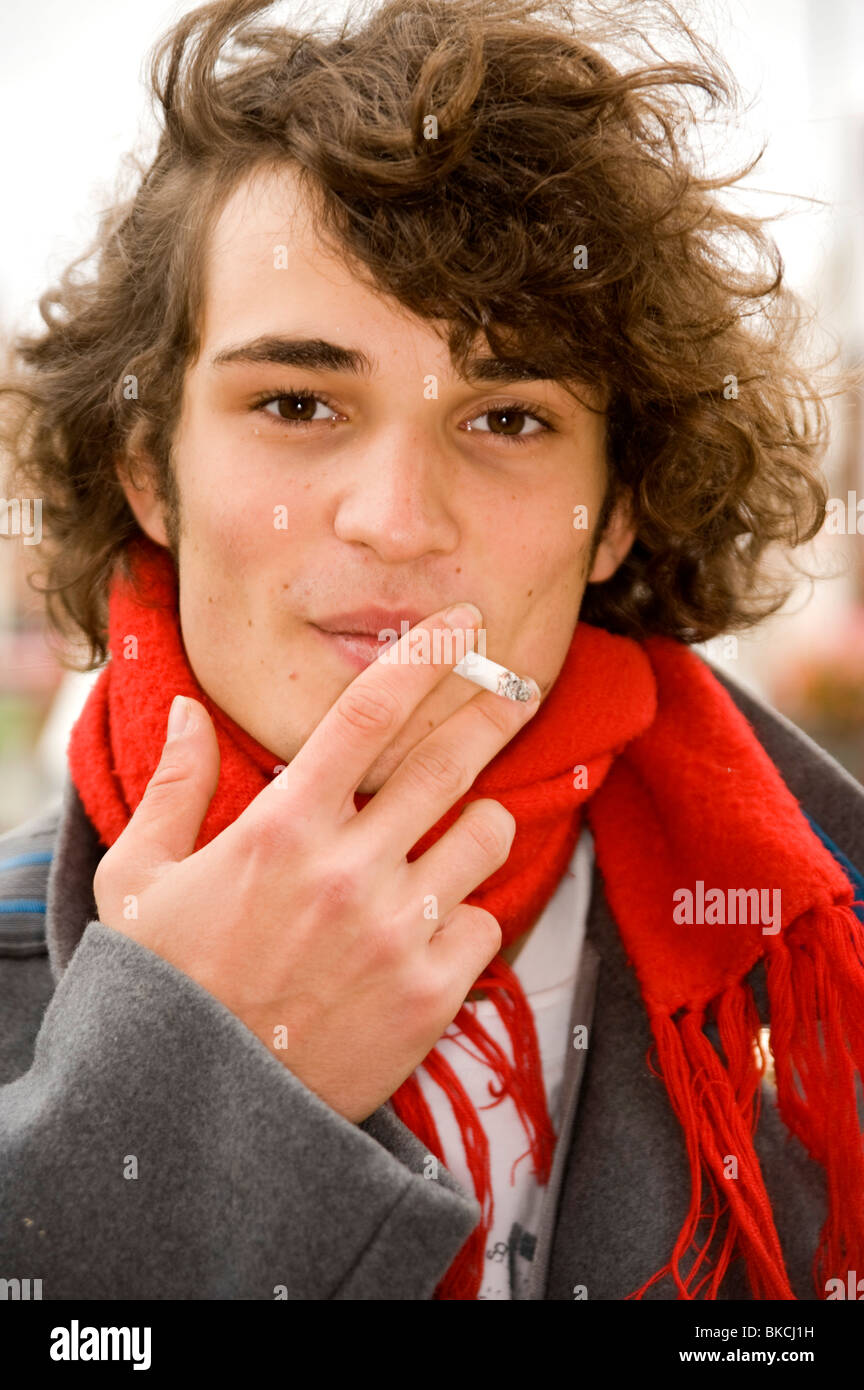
678, 792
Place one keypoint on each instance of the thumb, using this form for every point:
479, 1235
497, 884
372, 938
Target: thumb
166, 821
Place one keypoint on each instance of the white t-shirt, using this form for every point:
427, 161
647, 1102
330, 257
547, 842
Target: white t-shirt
547, 967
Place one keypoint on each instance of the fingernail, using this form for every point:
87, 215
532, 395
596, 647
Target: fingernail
178, 717
463, 615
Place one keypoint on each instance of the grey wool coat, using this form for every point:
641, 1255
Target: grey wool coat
248, 1186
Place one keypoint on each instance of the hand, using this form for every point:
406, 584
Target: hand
304, 917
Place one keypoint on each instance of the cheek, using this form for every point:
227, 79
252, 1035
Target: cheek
247, 518
548, 527
546, 567
545, 591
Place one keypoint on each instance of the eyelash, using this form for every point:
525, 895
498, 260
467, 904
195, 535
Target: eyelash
516, 407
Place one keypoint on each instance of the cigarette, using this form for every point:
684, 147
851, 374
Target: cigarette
491, 676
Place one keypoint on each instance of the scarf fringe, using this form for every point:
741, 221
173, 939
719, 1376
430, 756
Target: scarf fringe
707, 1099
815, 982
523, 1084
816, 990
464, 1276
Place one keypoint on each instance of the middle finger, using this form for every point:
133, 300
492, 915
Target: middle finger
440, 769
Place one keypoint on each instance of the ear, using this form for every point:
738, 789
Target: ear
615, 542
135, 473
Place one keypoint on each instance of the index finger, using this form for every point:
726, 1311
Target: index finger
370, 711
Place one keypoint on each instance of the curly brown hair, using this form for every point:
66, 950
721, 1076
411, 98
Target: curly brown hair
676, 309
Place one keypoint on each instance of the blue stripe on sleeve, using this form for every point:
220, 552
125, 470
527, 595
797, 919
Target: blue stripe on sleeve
42, 856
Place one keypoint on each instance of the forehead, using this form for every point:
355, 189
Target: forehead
265, 259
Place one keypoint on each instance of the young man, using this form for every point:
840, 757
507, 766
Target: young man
426, 313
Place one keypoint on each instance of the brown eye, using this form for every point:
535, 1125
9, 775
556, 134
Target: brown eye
296, 406
511, 420
509, 423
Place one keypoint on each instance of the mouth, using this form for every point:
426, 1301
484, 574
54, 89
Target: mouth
356, 649
358, 637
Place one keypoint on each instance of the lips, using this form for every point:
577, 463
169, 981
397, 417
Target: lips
356, 637
371, 621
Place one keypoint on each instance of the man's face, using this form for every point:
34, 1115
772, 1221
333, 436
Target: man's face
377, 494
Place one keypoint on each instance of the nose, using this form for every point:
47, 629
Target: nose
395, 499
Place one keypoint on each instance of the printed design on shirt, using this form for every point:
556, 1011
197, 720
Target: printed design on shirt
521, 1244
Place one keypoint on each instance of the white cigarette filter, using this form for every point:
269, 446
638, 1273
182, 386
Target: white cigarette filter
491, 676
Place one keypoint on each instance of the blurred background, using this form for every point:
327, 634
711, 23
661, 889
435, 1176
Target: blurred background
72, 102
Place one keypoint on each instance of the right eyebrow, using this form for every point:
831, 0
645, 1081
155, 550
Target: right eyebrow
315, 354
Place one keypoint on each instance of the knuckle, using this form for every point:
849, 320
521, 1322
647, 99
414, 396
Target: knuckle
266, 838
164, 780
496, 713
485, 921
490, 833
436, 769
485, 929
383, 946
421, 992
369, 710
342, 889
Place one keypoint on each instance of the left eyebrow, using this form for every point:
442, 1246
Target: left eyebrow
506, 369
